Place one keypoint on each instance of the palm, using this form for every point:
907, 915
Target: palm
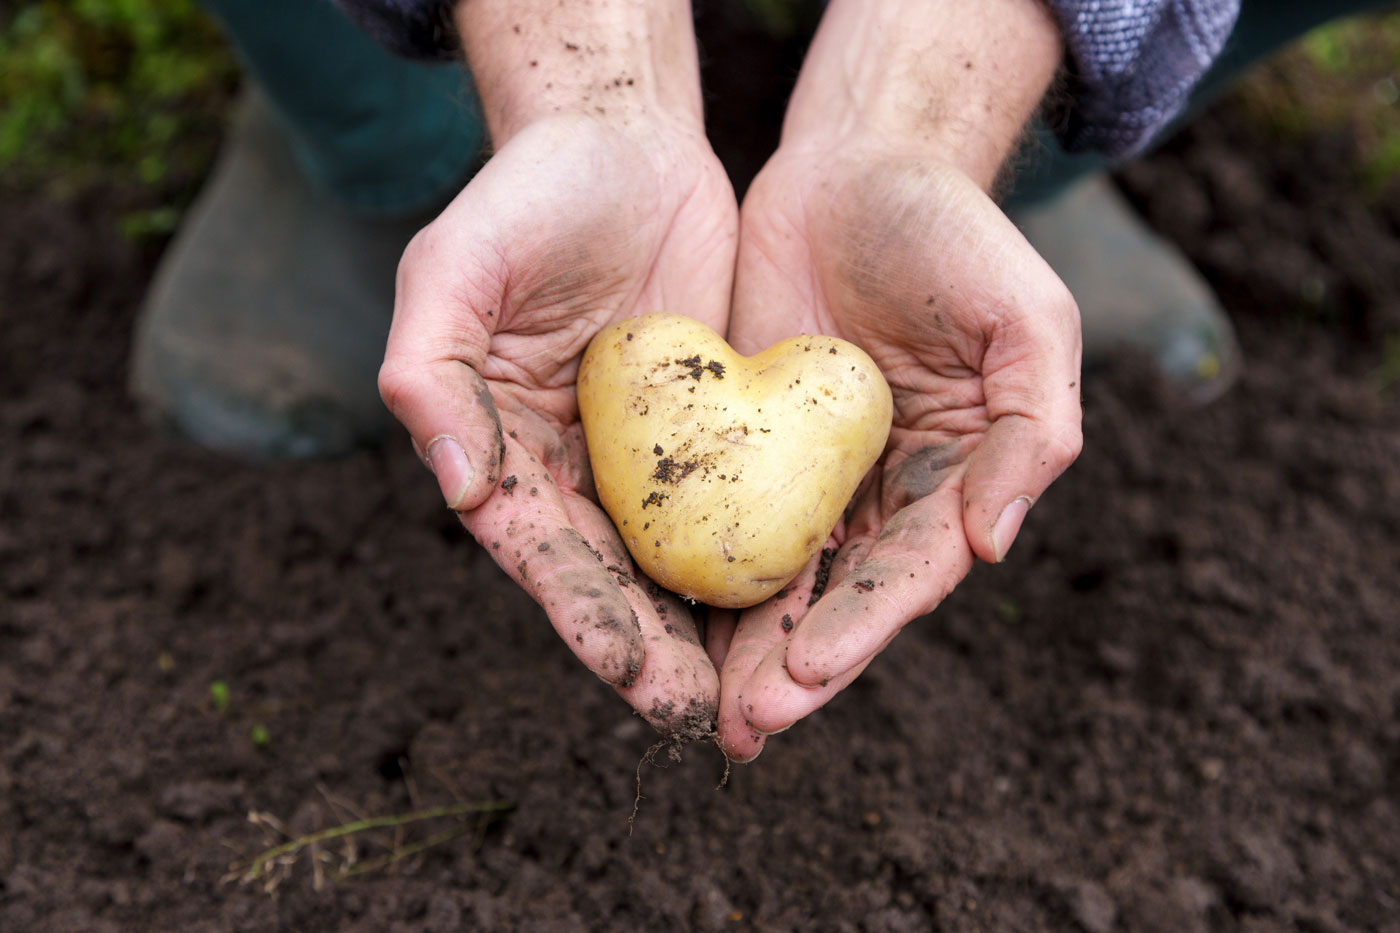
591, 243
912, 262
570, 227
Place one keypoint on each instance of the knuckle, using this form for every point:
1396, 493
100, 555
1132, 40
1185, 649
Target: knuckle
1074, 443
1068, 443
412, 257
397, 389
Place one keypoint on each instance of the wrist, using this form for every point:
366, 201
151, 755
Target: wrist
624, 63
952, 80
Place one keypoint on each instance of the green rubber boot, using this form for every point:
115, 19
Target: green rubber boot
1134, 289
263, 330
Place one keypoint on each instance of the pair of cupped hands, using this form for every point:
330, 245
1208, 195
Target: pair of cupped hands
576, 222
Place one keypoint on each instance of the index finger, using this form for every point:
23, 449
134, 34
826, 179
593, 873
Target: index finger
920, 555
525, 527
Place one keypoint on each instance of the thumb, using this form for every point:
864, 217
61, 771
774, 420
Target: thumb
431, 380
1012, 466
1031, 386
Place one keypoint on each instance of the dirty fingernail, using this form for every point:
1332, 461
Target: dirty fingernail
1008, 524
450, 465
751, 759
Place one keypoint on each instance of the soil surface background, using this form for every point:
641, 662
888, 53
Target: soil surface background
1176, 706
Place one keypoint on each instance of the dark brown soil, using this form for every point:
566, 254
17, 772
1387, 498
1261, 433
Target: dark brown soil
1176, 707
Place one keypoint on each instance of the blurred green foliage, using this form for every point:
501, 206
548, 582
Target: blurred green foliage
785, 18
219, 693
102, 87
1344, 76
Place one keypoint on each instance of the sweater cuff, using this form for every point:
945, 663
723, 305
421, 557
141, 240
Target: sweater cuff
420, 29
1133, 64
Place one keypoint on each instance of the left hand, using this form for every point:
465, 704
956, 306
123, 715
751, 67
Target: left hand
871, 223
911, 261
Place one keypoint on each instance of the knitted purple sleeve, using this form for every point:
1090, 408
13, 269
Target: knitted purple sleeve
1133, 62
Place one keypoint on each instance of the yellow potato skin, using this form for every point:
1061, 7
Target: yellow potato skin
725, 474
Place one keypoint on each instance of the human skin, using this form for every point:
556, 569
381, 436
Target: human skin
872, 223
602, 201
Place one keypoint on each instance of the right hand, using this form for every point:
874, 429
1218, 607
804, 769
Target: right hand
576, 222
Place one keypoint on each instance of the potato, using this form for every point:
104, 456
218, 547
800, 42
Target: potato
725, 474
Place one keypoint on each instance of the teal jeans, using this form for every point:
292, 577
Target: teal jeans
391, 137
385, 136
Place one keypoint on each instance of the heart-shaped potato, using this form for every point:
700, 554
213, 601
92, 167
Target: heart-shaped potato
725, 473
